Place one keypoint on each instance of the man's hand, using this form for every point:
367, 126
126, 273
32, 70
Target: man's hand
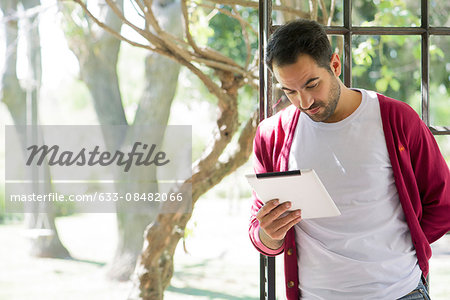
274, 223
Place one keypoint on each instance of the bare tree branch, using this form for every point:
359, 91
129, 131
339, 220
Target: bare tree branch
188, 31
169, 40
332, 8
216, 55
152, 19
113, 32
236, 16
323, 7
207, 171
201, 180
166, 39
171, 45
313, 9
221, 66
255, 4
136, 10
153, 39
142, 7
182, 59
203, 52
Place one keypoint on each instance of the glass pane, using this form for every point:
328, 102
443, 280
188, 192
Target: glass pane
337, 44
390, 13
337, 18
389, 65
444, 145
440, 80
329, 16
439, 16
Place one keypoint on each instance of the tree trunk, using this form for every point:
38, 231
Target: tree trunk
161, 77
155, 266
97, 54
15, 98
98, 70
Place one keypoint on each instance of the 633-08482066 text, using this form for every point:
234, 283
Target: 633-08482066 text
98, 196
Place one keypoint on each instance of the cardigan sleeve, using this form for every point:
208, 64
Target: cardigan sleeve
261, 164
433, 181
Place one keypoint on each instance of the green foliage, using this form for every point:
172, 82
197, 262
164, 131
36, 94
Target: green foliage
222, 33
247, 101
440, 81
228, 38
388, 64
387, 80
444, 144
200, 28
363, 11
227, 34
391, 64
439, 105
364, 53
395, 13
387, 13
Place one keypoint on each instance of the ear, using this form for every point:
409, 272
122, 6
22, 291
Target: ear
335, 64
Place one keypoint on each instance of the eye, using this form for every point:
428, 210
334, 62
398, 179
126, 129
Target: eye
290, 92
312, 86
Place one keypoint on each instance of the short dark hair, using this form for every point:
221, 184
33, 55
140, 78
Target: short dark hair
295, 38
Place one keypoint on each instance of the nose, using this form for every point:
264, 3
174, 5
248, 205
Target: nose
305, 100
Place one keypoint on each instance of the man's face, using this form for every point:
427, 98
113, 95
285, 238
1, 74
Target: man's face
311, 88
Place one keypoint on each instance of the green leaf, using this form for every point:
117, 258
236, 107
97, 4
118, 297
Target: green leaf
434, 50
395, 84
381, 85
358, 71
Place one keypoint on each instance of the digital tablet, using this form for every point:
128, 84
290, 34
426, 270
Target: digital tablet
302, 188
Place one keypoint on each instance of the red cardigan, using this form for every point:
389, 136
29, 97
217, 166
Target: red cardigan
421, 175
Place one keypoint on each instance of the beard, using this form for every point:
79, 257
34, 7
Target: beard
328, 107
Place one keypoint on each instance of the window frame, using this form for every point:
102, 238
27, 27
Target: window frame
267, 264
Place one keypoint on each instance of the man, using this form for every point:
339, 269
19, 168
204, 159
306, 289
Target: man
377, 159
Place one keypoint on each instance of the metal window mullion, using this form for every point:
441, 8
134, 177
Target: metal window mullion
262, 276
425, 61
377, 30
267, 264
271, 287
440, 130
348, 43
262, 82
439, 30
348, 60
265, 78
262, 110
271, 290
